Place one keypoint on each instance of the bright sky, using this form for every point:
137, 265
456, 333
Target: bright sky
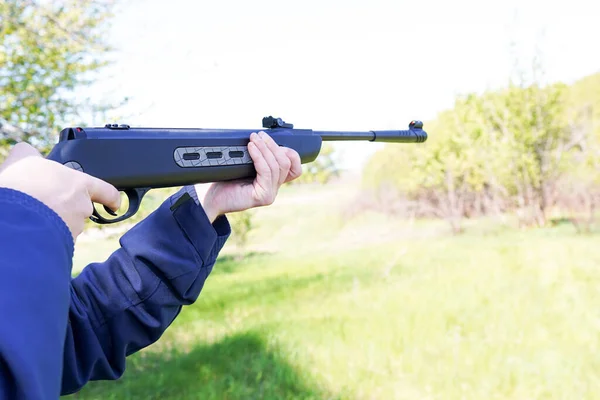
332, 64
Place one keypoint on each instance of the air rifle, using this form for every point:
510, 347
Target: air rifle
136, 160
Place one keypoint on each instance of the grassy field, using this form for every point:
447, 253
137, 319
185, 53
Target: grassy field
368, 307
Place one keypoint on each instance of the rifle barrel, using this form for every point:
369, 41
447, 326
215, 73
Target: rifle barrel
405, 136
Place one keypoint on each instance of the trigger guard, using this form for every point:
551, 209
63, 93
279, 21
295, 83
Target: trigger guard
111, 212
135, 200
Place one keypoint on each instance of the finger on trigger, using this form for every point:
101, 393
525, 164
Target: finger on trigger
103, 192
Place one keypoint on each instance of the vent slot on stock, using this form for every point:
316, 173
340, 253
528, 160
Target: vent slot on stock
191, 156
214, 154
236, 154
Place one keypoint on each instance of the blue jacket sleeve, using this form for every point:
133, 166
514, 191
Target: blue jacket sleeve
125, 304
36, 250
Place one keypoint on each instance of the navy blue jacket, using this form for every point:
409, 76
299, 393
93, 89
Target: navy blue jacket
58, 333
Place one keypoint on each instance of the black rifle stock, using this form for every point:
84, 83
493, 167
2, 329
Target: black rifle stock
136, 160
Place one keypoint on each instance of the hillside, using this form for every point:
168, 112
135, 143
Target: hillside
335, 305
532, 152
585, 94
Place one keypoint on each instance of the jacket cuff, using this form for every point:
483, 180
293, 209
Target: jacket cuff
12, 196
208, 239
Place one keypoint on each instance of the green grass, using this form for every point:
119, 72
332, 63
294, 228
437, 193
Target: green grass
372, 308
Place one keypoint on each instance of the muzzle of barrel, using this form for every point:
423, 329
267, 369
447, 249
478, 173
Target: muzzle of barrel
414, 134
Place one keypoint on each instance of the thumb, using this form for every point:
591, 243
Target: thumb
20, 151
296, 166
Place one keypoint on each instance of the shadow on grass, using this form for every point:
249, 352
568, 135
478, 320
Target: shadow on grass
238, 367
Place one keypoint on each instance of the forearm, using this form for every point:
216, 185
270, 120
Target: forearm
36, 250
127, 302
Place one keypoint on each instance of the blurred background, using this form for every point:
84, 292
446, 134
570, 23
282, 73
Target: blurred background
466, 267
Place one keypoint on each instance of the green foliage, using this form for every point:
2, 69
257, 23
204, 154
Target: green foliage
510, 149
584, 101
47, 51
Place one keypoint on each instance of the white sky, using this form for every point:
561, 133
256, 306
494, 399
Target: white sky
331, 64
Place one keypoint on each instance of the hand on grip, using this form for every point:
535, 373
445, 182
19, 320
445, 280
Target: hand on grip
67, 192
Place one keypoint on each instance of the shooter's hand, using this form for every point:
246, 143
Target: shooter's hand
274, 166
69, 193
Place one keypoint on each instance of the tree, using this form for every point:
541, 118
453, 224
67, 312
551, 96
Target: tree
47, 51
442, 176
522, 148
538, 140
